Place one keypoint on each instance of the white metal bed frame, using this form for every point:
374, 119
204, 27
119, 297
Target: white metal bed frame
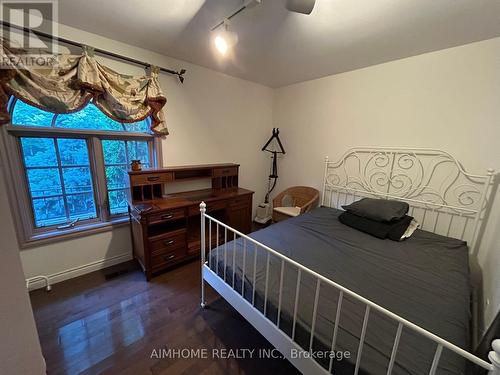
442, 196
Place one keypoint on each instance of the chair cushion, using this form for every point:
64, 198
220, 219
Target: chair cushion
287, 201
290, 211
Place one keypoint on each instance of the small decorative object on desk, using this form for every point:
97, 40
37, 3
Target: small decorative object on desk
136, 165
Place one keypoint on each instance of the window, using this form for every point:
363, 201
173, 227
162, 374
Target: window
117, 158
75, 167
59, 180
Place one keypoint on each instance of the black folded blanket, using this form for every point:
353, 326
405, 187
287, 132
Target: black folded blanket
392, 230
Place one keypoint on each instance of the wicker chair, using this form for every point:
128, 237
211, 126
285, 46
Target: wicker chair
301, 199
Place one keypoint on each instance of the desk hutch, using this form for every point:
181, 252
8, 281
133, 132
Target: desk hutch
166, 227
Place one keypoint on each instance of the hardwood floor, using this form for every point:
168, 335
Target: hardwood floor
114, 322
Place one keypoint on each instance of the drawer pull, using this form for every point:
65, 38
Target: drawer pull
153, 178
169, 257
167, 216
167, 243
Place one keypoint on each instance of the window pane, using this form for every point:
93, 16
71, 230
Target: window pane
118, 202
90, 117
39, 152
117, 158
61, 190
49, 211
26, 115
139, 127
138, 150
77, 180
81, 206
114, 152
116, 177
44, 182
73, 151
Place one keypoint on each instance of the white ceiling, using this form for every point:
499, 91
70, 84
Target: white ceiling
277, 47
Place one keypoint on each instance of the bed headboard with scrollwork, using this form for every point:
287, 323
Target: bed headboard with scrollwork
443, 198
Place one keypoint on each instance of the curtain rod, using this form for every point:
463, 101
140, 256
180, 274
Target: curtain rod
179, 74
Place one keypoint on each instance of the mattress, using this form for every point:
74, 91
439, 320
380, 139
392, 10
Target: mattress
424, 279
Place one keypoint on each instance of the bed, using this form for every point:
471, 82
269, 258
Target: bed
335, 300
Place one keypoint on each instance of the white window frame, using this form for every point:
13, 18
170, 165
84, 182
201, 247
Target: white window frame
18, 189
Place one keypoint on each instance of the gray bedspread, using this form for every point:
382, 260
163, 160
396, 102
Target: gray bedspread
424, 279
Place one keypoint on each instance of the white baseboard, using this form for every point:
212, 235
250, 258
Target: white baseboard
81, 270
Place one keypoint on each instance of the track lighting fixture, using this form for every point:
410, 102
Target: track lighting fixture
224, 39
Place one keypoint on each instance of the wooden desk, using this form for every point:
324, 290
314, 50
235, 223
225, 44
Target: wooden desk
166, 228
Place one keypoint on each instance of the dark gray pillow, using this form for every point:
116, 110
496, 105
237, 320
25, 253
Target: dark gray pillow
378, 209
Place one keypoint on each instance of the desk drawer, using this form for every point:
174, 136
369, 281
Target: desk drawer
168, 215
165, 259
168, 243
151, 178
211, 206
228, 171
241, 201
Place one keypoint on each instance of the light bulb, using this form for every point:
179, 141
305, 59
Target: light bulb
224, 40
221, 44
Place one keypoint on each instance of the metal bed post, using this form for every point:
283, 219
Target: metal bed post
203, 209
324, 182
484, 198
494, 357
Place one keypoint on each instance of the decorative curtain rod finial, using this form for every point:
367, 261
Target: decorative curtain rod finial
180, 74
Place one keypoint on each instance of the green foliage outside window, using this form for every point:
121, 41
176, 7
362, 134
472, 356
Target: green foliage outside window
58, 170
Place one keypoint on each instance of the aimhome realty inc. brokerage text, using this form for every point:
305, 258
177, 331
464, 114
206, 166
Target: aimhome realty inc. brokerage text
224, 353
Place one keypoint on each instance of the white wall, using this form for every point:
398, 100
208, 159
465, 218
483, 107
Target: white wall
211, 117
20, 351
448, 99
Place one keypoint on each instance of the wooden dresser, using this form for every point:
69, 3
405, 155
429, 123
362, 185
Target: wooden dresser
166, 228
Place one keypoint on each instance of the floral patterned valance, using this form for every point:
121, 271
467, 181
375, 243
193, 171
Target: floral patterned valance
75, 80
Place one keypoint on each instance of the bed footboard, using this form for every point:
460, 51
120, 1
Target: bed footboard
286, 343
